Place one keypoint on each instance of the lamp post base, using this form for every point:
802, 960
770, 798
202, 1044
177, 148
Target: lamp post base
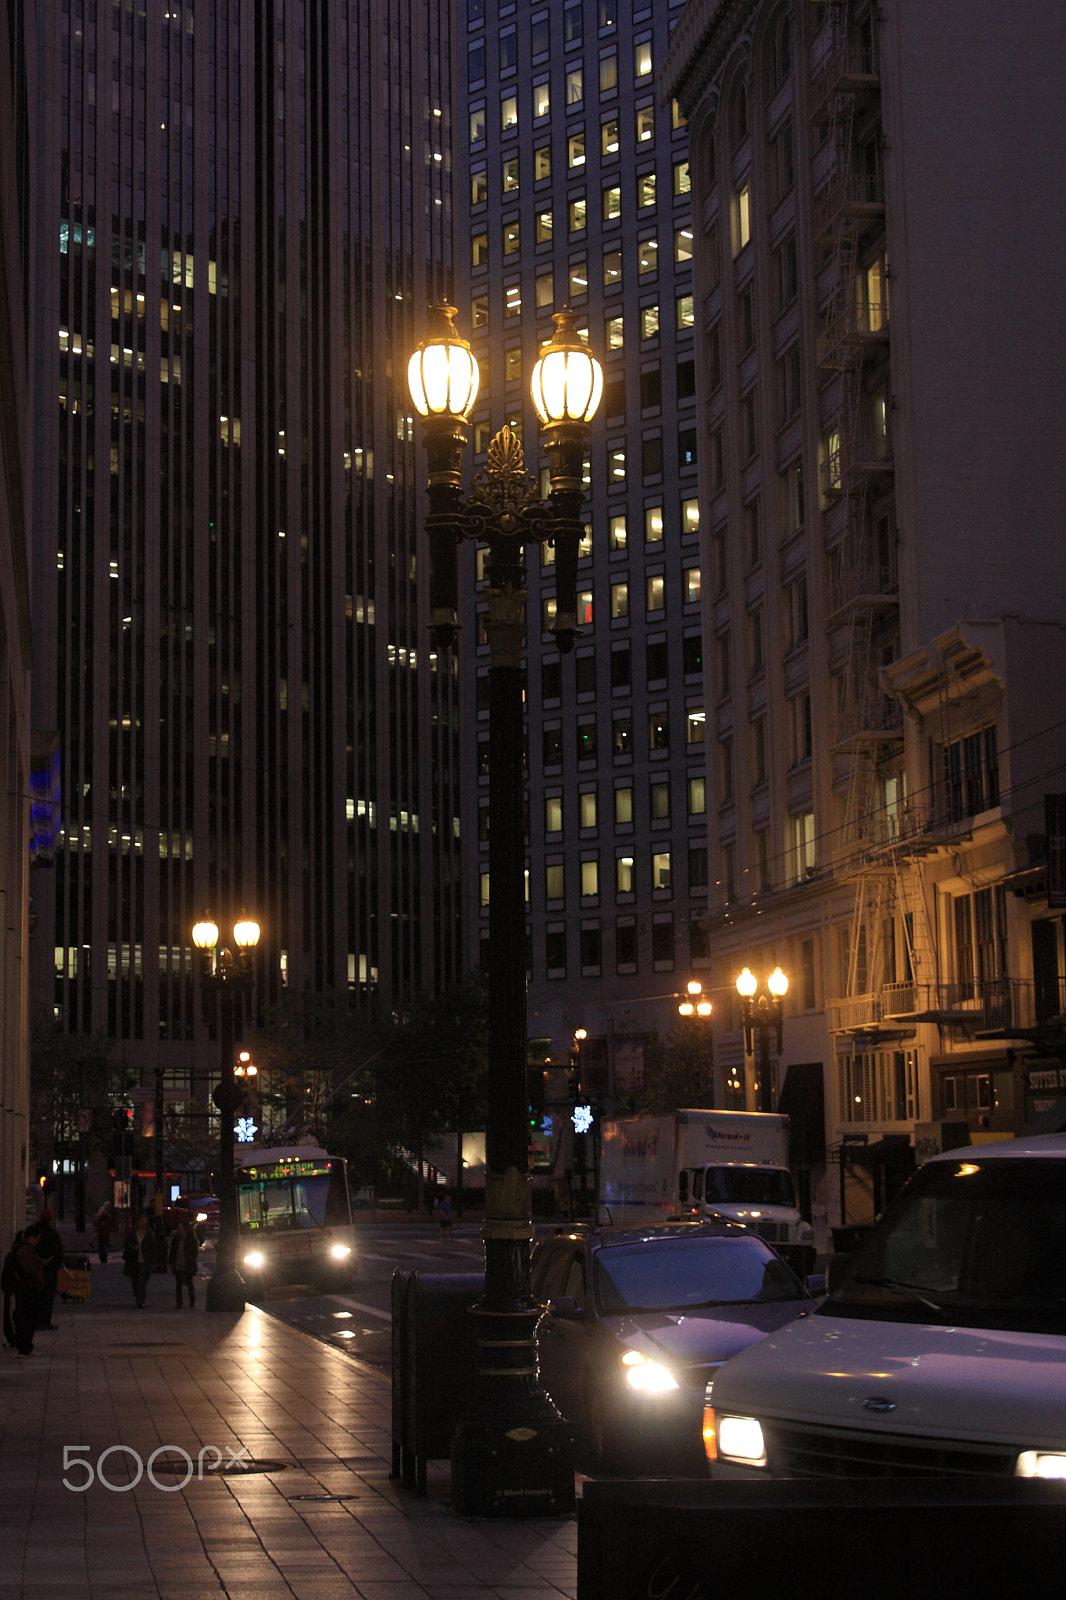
225, 1291
512, 1453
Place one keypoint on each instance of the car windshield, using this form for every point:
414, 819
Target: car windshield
975, 1243
681, 1274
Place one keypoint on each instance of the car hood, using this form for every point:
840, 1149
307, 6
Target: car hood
942, 1382
702, 1337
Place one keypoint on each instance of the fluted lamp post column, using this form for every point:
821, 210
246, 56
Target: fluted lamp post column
512, 1453
763, 1013
225, 980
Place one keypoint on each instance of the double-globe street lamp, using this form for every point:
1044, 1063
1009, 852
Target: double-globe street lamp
763, 1009
512, 1453
225, 980
696, 1006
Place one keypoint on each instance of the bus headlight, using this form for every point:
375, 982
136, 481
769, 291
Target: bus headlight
1040, 1464
339, 1251
254, 1258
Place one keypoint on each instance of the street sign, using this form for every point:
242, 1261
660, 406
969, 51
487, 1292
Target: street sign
141, 1094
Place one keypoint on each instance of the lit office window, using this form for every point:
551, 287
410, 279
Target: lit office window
544, 289
686, 314
683, 242
510, 174
612, 203
575, 148
649, 322
645, 123
512, 301
691, 586
608, 72
578, 275
616, 534
655, 592
609, 137
682, 180
619, 599
541, 100
479, 311
613, 334
642, 58
554, 881
697, 797
553, 813
477, 124
623, 805
479, 186
653, 524
646, 189
508, 112
575, 86
660, 869
647, 255
616, 466
578, 214
479, 249
587, 809
590, 879
542, 162
612, 269
542, 227
625, 878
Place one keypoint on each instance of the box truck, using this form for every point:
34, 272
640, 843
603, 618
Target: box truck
683, 1165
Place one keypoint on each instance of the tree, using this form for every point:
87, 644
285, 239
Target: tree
312, 1051
70, 1072
436, 1060
680, 1071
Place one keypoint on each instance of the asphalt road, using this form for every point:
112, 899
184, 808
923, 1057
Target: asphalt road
360, 1323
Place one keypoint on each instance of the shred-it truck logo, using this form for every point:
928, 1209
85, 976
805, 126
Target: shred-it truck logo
726, 1136
639, 1149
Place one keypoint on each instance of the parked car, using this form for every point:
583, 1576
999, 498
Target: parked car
202, 1208
941, 1348
636, 1321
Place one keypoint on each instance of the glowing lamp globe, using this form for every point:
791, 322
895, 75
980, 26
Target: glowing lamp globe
567, 381
443, 375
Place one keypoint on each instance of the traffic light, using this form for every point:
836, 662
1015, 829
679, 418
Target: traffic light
122, 1119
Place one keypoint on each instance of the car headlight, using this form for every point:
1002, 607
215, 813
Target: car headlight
647, 1377
729, 1438
1040, 1464
254, 1258
201, 1216
339, 1251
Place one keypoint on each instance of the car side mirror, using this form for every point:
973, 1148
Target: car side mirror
816, 1284
564, 1305
837, 1270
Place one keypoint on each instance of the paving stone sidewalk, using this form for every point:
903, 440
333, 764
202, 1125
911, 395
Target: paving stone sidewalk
117, 1395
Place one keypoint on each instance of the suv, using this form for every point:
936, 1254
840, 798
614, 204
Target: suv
635, 1322
941, 1348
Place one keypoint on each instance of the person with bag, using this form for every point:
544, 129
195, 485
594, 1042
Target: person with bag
103, 1228
184, 1250
139, 1259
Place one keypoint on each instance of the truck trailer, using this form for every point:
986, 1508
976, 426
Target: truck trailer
688, 1165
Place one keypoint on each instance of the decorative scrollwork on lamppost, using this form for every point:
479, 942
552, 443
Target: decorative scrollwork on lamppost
226, 979
511, 1452
763, 1012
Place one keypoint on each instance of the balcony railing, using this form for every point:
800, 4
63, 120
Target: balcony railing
980, 1005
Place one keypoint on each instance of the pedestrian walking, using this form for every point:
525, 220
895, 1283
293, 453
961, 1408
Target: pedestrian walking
444, 1210
50, 1250
28, 1288
139, 1258
103, 1228
9, 1278
184, 1250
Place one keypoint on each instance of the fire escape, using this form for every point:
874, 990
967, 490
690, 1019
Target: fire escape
857, 478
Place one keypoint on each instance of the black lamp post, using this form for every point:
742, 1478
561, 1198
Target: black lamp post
512, 1454
763, 1011
225, 980
696, 1004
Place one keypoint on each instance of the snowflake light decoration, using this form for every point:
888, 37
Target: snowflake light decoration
246, 1130
582, 1119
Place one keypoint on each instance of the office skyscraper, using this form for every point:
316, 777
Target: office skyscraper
573, 186
243, 204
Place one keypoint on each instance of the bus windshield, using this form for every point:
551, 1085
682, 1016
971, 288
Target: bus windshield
274, 1202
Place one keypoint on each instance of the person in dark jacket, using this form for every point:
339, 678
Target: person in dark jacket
50, 1250
138, 1258
184, 1250
29, 1289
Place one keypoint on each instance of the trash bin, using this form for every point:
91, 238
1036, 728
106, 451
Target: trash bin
438, 1366
74, 1278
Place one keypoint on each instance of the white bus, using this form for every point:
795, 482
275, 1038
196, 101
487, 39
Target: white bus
294, 1221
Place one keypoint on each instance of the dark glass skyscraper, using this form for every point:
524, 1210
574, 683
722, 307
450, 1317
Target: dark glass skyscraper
244, 211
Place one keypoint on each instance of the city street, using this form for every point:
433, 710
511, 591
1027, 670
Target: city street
360, 1323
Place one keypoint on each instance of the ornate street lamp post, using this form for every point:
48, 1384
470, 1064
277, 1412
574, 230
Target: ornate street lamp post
696, 1004
225, 979
511, 1452
763, 1011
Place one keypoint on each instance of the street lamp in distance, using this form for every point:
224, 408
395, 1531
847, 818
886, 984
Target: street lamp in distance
225, 979
763, 1010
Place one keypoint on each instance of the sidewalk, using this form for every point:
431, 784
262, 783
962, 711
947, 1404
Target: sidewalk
114, 1384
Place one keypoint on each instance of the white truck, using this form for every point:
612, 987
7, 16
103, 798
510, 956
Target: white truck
695, 1164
